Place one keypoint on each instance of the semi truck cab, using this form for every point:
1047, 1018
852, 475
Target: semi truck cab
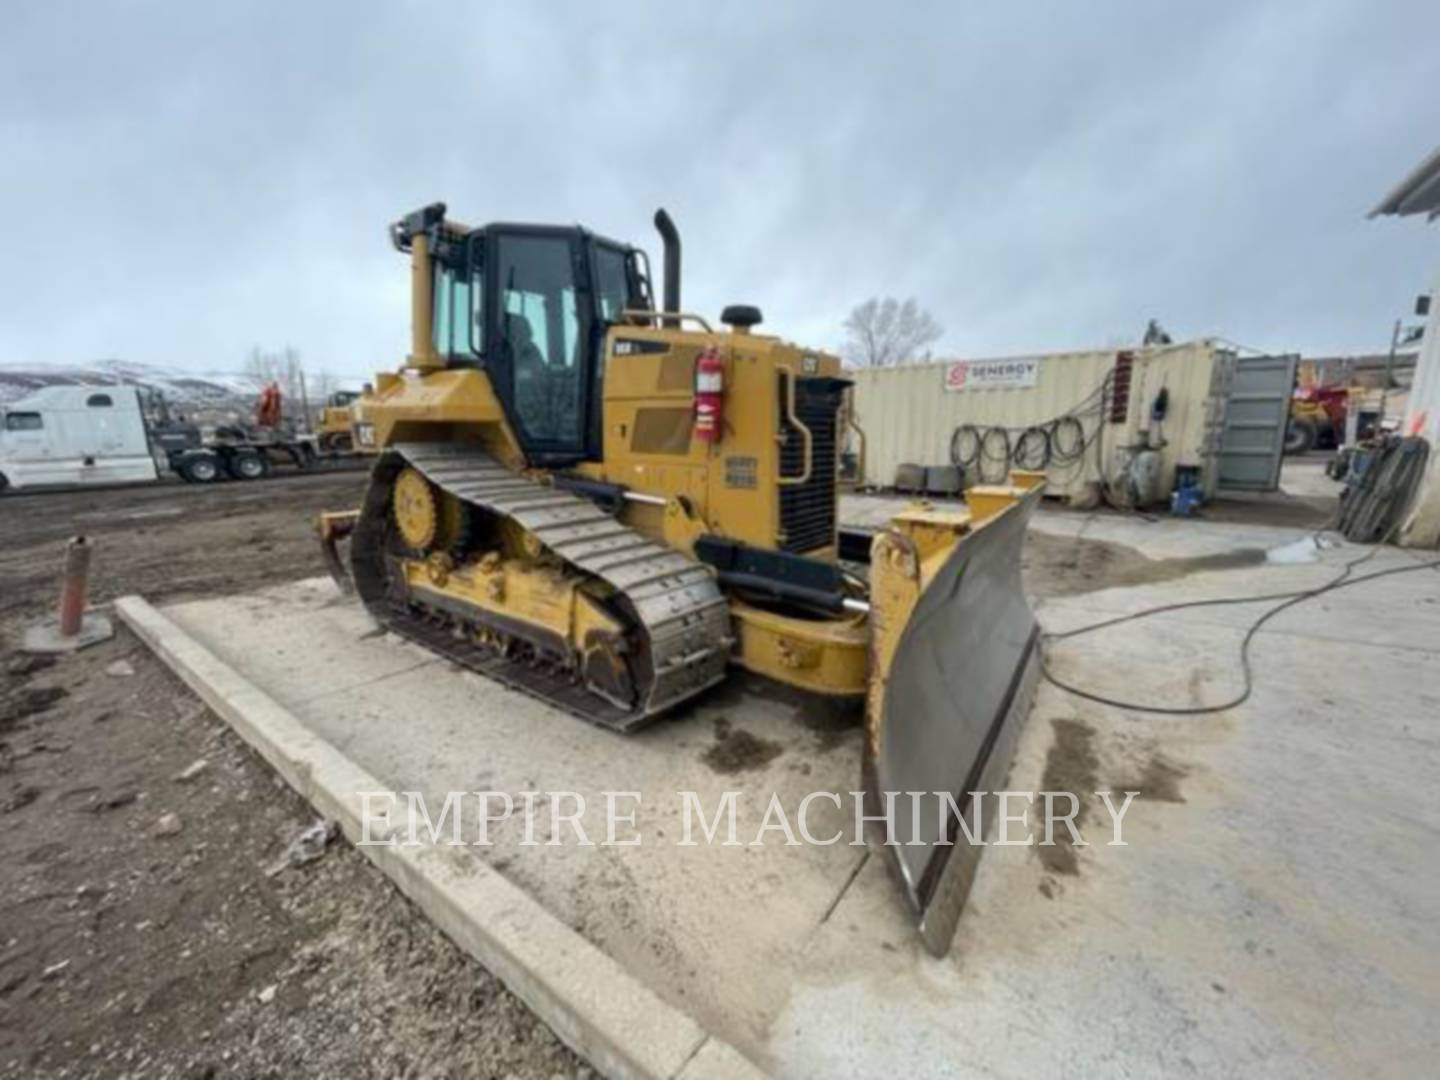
75, 435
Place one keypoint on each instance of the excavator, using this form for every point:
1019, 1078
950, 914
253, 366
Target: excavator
602, 501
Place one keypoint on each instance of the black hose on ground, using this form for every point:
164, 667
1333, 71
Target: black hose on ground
1287, 600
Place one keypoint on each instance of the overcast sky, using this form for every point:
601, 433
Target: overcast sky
181, 181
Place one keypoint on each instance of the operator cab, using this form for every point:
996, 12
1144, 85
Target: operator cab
531, 304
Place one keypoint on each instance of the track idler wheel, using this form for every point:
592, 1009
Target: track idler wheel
416, 509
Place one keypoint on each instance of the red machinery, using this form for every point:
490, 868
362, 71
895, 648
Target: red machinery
1317, 417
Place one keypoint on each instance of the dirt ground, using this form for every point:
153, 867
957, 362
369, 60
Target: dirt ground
136, 943
130, 949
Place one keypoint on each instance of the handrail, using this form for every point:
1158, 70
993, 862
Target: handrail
662, 316
854, 426
794, 421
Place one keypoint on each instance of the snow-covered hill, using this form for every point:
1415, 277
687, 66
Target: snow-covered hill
182, 388
186, 390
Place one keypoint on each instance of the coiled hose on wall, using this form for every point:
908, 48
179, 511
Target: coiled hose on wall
988, 453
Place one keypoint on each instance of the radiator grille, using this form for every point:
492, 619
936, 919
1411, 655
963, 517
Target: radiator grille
807, 511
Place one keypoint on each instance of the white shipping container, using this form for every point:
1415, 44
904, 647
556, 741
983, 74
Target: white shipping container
910, 414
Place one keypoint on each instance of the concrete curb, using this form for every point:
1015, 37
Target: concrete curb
596, 1007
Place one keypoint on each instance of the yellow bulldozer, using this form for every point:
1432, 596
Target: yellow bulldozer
604, 502
335, 433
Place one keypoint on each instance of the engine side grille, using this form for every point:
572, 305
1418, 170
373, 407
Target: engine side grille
807, 511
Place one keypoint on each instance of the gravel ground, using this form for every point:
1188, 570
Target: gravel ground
150, 923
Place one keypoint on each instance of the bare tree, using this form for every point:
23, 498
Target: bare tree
888, 332
321, 385
283, 368
287, 371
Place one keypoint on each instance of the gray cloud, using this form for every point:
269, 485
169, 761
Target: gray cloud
182, 181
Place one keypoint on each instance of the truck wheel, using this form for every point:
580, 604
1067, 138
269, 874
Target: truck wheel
248, 466
200, 468
1300, 435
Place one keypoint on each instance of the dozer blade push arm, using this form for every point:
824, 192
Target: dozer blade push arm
954, 661
332, 527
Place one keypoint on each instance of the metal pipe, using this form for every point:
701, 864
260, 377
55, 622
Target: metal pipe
648, 500
422, 304
794, 421
854, 426
1385, 388
74, 587
641, 314
785, 591
671, 236
851, 604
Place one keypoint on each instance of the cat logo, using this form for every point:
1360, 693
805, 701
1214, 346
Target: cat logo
630, 347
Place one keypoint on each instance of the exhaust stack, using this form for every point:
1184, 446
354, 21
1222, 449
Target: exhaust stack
668, 233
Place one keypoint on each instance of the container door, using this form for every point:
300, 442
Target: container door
1257, 408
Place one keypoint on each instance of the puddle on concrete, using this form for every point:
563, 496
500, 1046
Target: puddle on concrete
832, 720
1070, 566
736, 750
1070, 765
1305, 550
1159, 781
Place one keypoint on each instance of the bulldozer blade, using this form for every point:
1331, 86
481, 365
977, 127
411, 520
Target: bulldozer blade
955, 660
332, 527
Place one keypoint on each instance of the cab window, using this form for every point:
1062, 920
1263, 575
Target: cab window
99, 401
612, 283
458, 312
541, 330
24, 421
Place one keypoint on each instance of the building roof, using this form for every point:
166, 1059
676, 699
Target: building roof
1418, 193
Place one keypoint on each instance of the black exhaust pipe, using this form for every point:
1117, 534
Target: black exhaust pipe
671, 237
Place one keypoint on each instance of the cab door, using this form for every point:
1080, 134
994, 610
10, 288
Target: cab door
539, 350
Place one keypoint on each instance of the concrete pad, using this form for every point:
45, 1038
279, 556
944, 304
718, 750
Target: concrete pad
44, 637
591, 1003
1271, 912
1306, 478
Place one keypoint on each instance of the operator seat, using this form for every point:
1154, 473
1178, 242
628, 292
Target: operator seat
530, 376
525, 355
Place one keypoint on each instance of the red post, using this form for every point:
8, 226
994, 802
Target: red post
75, 587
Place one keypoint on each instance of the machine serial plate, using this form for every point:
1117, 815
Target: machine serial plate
741, 472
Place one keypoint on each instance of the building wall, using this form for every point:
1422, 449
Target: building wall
909, 416
1423, 418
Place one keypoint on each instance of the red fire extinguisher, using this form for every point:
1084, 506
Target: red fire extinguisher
709, 394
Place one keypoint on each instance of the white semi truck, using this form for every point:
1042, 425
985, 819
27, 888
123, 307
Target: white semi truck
68, 436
